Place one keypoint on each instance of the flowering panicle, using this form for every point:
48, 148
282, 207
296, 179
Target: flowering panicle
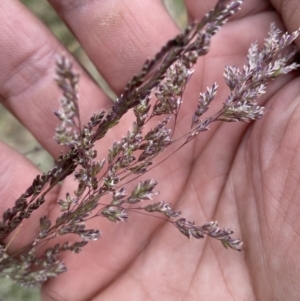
263, 65
156, 92
211, 229
67, 132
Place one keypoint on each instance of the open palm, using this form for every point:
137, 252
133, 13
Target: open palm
243, 175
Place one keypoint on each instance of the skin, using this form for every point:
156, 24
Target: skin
245, 176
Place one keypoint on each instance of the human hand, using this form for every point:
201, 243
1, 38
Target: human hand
243, 175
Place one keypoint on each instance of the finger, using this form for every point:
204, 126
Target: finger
16, 174
27, 61
290, 13
197, 9
118, 35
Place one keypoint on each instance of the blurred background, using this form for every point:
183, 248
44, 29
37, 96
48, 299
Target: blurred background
14, 134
